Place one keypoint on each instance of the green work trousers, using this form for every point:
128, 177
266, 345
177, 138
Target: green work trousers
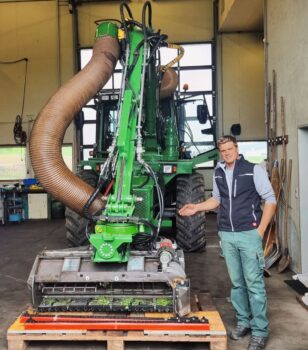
244, 257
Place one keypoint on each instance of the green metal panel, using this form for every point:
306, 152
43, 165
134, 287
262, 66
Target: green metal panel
206, 157
106, 29
122, 202
107, 240
151, 108
144, 208
171, 151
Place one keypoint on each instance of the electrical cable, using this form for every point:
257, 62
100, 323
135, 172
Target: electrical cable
211, 123
25, 79
20, 136
192, 141
189, 131
122, 6
105, 172
144, 183
160, 40
142, 241
134, 22
108, 189
142, 238
85, 210
135, 59
159, 197
24, 90
147, 5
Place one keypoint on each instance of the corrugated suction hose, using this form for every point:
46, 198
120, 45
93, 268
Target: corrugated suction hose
55, 117
169, 83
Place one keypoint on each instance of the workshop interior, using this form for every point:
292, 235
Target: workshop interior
110, 115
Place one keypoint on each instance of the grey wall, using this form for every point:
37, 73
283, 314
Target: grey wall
287, 52
43, 32
241, 84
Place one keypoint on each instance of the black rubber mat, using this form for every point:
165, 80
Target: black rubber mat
297, 286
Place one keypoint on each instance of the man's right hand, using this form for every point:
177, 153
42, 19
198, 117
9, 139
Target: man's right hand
188, 210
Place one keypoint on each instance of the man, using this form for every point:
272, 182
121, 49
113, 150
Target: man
238, 188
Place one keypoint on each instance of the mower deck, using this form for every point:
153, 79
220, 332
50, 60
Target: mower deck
68, 280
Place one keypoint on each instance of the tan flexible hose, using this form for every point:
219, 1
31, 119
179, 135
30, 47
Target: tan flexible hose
177, 58
55, 117
169, 83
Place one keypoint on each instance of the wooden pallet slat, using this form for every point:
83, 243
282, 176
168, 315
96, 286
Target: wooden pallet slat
19, 338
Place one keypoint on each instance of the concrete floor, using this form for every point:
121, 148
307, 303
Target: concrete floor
20, 243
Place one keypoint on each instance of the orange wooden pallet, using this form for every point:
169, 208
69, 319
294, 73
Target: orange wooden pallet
18, 337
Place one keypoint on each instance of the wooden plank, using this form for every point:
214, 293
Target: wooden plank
219, 345
130, 336
115, 345
17, 344
18, 337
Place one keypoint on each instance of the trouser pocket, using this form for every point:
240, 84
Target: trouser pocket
261, 260
260, 254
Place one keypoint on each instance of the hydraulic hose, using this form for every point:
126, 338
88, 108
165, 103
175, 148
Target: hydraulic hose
55, 117
147, 6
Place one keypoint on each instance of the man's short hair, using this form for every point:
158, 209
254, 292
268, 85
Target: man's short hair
226, 138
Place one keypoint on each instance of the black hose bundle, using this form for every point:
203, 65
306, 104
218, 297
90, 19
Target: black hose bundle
85, 210
142, 241
20, 136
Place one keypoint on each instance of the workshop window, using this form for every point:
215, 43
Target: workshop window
13, 163
89, 113
195, 70
253, 151
196, 73
67, 155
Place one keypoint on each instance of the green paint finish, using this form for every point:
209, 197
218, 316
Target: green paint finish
122, 202
151, 108
171, 151
206, 157
144, 208
166, 223
106, 29
107, 240
134, 193
125, 128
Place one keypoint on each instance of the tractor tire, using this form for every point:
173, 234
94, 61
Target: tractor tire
74, 223
190, 230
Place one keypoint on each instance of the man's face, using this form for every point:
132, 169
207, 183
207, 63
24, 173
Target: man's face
229, 152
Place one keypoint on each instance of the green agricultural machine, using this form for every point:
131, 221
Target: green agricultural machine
140, 175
